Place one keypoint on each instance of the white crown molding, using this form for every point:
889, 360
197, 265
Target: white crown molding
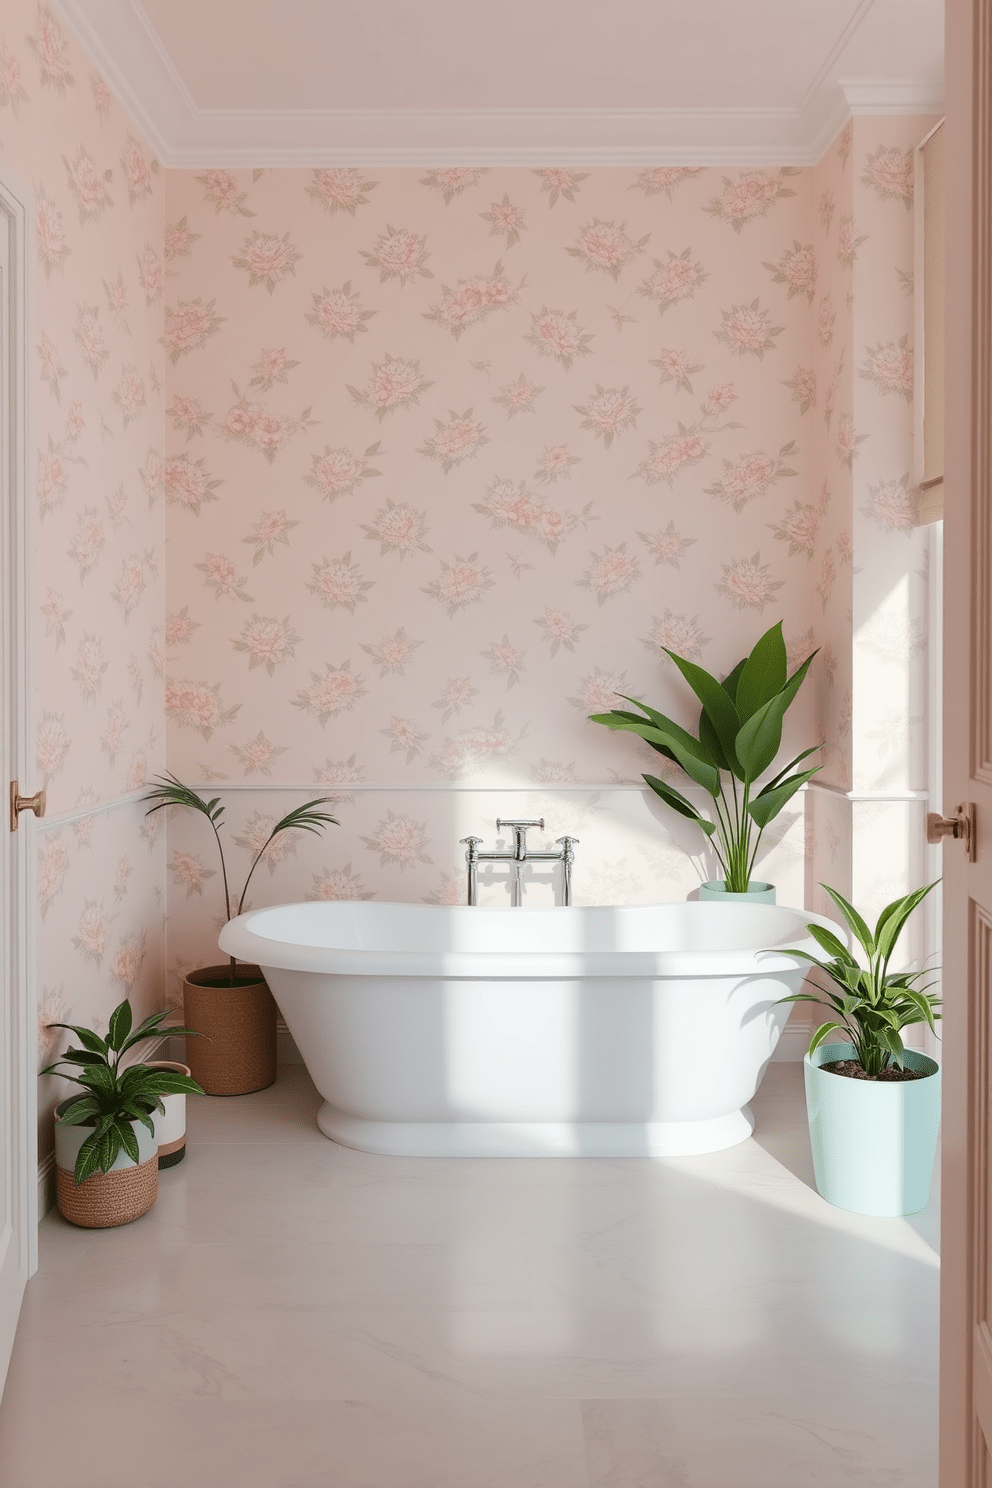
892, 98
826, 123
819, 83
144, 78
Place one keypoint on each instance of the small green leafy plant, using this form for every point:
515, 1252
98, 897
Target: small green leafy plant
871, 1004
115, 1097
739, 736
306, 818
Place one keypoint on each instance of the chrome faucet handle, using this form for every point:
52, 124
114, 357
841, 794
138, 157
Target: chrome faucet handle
566, 842
519, 829
469, 841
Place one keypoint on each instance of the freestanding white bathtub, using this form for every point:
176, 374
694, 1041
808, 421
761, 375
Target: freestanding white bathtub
607, 1032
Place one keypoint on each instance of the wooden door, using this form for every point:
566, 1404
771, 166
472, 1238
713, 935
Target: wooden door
966, 1279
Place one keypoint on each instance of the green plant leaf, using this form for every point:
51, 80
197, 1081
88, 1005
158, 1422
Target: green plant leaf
791, 765
87, 1159
828, 1000
923, 1009
645, 708
894, 916
120, 1025
838, 971
96, 1077
171, 792
128, 1140
732, 679
763, 674
86, 1037
663, 724
892, 1044
687, 751
769, 802
81, 1056
678, 802
305, 818
92, 1155
80, 1112
149, 1026
142, 1109
620, 721
141, 1083
710, 740
854, 920
761, 737
821, 1033
832, 944
717, 705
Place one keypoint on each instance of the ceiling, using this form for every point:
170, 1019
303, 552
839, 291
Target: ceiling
393, 82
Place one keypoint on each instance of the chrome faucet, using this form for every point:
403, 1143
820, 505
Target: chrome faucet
517, 857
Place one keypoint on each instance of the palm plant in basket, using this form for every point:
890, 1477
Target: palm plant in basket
306, 818
233, 1008
738, 738
116, 1111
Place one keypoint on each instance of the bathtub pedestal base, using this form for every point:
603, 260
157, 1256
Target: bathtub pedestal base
536, 1138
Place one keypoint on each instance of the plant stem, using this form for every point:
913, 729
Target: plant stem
258, 859
227, 892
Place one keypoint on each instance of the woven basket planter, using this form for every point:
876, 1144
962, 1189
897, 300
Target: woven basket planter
106, 1199
238, 1053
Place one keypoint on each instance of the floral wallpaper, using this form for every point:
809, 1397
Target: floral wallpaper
96, 602
433, 498
451, 456
445, 459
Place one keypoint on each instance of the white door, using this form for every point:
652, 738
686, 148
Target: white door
18, 1040
966, 1272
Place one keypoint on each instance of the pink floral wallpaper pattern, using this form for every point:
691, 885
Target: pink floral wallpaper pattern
432, 498
446, 458
97, 600
440, 497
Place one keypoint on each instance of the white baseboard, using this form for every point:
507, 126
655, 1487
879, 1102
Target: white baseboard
46, 1185
794, 1042
288, 1053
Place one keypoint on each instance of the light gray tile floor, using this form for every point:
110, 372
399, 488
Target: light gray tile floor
293, 1314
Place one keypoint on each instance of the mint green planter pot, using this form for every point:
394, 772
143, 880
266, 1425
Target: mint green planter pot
758, 893
873, 1142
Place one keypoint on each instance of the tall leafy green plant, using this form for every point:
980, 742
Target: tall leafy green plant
306, 818
114, 1098
739, 736
871, 1004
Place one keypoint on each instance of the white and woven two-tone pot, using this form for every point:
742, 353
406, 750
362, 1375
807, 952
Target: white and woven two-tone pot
170, 1128
123, 1194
